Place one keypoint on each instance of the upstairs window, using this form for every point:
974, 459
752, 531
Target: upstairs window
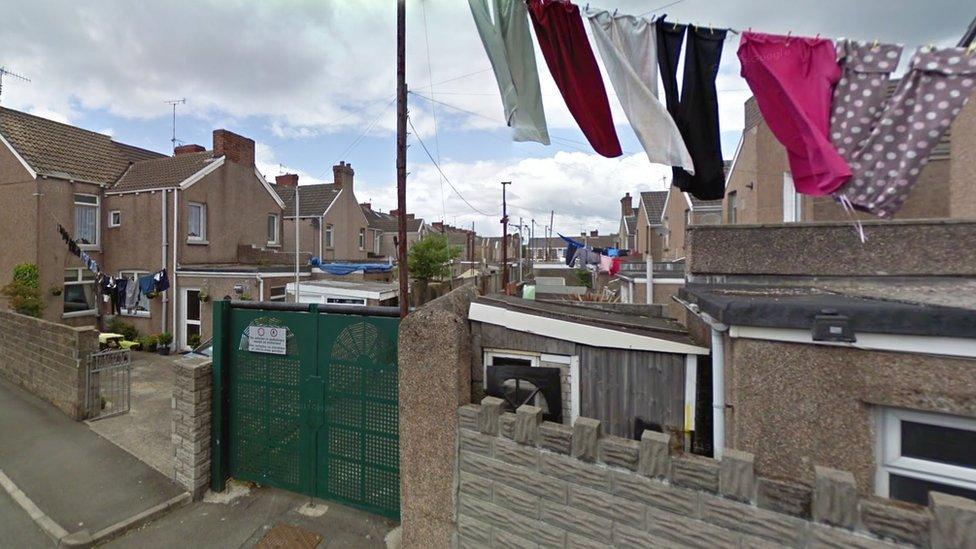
376, 242
86, 220
733, 207
272, 229
196, 226
114, 218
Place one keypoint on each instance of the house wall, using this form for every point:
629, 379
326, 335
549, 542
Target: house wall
19, 220
347, 218
308, 235
647, 238
962, 164
793, 405
674, 224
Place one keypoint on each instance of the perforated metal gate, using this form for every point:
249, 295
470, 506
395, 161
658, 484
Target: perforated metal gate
321, 419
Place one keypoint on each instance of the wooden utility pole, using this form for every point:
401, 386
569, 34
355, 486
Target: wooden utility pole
504, 238
401, 159
552, 215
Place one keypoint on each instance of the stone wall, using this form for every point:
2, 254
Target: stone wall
47, 359
527, 483
191, 424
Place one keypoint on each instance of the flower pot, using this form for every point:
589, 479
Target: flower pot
163, 350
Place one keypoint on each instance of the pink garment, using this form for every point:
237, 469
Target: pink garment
793, 80
606, 263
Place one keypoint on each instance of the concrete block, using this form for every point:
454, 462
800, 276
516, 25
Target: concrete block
757, 522
576, 520
473, 529
556, 437
508, 540
607, 505
687, 531
517, 477
954, 523
737, 475
576, 541
521, 502
527, 420
625, 536
474, 441
468, 416
697, 472
783, 496
835, 497
516, 454
491, 408
655, 454
620, 452
823, 537
500, 518
506, 425
895, 520
654, 493
586, 439
475, 486
576, 471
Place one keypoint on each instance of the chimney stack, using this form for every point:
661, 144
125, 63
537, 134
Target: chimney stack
438, 226
287, 180
342, 175
595, 233
394, 213
409, 216
236, 148
187, 149
626, 205
367, 205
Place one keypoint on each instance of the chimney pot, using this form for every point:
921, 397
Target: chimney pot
235, 148
187, 149
287, 180
595, 233
342, 175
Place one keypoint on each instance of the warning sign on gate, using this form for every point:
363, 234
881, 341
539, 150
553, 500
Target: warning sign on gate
267, 339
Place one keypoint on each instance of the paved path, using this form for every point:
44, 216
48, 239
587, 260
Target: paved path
145, 431
76, 477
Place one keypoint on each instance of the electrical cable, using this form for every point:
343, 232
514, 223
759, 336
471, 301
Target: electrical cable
433, 109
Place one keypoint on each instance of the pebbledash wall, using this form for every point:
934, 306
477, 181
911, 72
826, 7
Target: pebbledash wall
523, 482
47, 359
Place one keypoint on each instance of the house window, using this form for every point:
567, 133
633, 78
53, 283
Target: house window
278, 293
733, 207
687, 218
328, 236
362, 239
114, 218
142, 307
792, 206
524, 389
196, 226
376, 242
921, 452
273, 229
86, 220
79, 293
356, 301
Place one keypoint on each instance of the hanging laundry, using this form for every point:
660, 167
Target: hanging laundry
696, 112
588, 257
147, 285
118, 299
162, 281
562, 39
614, 266
861, 93
605, 263
570, 254
925, 103
793, 79
505, 34
571, 242
628, 46
131, 295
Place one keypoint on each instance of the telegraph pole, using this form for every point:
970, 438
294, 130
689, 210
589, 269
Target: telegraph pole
504, 238
520, 250
401, 159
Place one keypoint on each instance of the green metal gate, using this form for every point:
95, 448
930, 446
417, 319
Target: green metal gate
316, 412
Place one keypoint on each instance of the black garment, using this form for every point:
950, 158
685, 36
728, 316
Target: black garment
570, 254
118, 298
696, 113
162, 281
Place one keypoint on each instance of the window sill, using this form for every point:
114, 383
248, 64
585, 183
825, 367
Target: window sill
114, 226
135, 315
197, 242
92, 312
89, 247
273, 245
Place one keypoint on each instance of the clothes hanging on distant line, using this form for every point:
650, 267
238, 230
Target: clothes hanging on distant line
562, 39
696, 112
119, 296
614, 266
161, 280
505, 34
570, 254
571, 242
131, 294
588, 257
628, 47
793, 79
926, 101
147, 285
605, 263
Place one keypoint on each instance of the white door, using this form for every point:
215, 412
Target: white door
190, 317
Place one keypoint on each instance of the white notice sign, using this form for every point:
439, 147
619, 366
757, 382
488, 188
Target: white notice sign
267, 339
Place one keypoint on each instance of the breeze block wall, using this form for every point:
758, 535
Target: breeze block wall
528, 483
47, 359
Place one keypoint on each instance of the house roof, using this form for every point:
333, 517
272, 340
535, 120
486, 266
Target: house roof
61, 150
387, 223
162, 173
653, 203
313, 200
630, 221
698, 204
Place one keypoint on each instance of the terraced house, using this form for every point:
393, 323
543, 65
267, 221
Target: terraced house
206, 216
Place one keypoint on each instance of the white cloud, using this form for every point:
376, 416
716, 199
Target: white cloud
269, 166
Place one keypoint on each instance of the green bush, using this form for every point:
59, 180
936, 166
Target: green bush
193, 341
128, 331
164, 339
148, 343
24, 290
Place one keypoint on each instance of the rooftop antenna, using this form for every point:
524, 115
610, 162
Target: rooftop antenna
174, 103
5, 72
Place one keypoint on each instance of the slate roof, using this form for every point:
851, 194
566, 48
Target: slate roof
162, 173
631, 222
697, 204
653, 202
387, 223
312, 199
60, 150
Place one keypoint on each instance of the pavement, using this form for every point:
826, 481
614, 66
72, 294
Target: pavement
19, 530
145, 431
80, 480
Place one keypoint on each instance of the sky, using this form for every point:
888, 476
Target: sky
313, 83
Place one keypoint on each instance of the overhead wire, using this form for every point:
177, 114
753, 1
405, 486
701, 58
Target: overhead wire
433, 108
359, 139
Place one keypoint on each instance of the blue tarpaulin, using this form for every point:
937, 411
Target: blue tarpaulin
346, 268
572, 242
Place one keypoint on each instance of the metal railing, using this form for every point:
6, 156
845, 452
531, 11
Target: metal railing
108, 383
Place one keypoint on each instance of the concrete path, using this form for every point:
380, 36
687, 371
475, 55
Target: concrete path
244, 520
145, 431
80, 480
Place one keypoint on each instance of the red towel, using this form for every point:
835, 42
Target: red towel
615, 266
559, 29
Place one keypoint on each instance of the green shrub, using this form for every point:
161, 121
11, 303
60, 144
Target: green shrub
119, 326
148, 343
24, 290
193, 341
164, 339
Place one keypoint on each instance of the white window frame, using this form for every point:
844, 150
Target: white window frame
98, 219
536, 359
376, 242
78, 282
361, 239
890, 461
202, 237
329, 234
273, 240
134, 275
283, 296
792, 202
733, 207
112, 223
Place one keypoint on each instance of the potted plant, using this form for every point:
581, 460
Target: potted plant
163, 341
204, 296
193, 341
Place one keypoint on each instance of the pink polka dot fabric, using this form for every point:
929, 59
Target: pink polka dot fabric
886, 164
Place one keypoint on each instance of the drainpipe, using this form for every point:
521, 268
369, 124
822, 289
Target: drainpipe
260, 286
165, 249
176, 246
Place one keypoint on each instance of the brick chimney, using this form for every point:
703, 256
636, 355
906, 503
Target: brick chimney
409, 216
287, 180
438, 226
595, 233
236, 148
394, 213
187, 149
366, 205
626, 205
342, 175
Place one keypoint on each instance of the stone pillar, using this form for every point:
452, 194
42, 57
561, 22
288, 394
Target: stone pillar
191, 425
434, 380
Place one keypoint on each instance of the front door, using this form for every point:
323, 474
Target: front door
191, 318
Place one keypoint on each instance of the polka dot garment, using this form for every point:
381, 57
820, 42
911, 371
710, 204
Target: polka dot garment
887, 164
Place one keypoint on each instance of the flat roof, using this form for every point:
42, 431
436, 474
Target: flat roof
346, 288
